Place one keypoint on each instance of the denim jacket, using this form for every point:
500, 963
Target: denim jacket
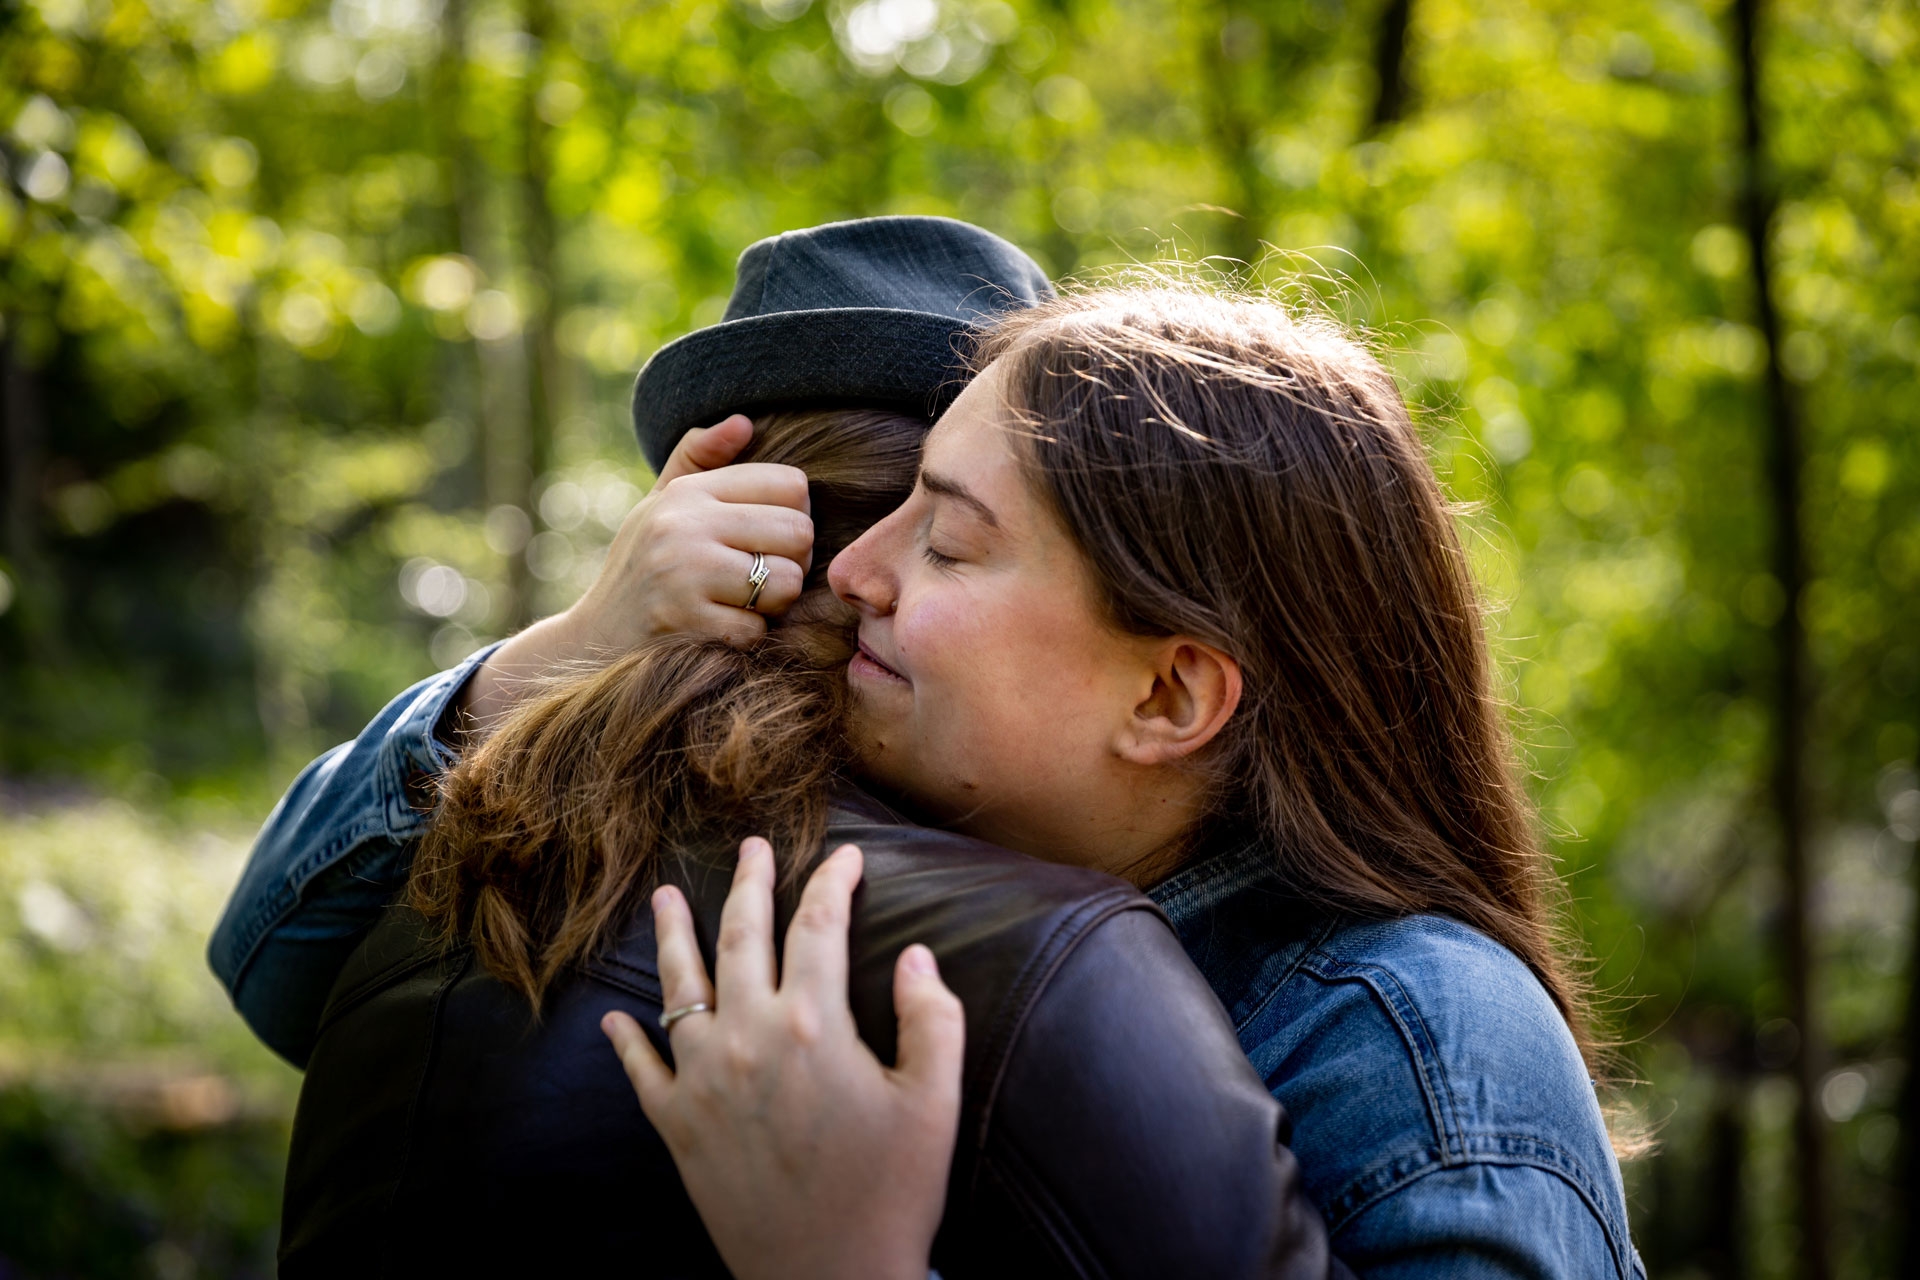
1436, 1092
330, 858
1442, 1115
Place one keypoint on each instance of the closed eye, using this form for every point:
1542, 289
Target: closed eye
938, 560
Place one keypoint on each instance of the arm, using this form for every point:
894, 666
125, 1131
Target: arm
1484, 1222
1444, 1117
329, 859
340, 843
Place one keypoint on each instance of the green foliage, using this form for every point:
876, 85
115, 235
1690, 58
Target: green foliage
320, 320
142, 1130
83, 1192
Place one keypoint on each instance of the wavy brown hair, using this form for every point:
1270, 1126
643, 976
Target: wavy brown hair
1279, 504
550, 834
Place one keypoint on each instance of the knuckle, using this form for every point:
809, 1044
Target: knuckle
818, 916
736, 935
793, 482
803, 1024
664, 522
738, 1060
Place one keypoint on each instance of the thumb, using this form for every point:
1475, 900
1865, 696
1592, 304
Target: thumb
708, 448
933, 1026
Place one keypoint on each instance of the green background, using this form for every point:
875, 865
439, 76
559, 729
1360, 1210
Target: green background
319, 322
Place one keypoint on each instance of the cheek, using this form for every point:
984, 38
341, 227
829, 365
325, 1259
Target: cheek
1001, 670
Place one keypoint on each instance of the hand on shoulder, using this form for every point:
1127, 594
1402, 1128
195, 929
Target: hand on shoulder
804, 1155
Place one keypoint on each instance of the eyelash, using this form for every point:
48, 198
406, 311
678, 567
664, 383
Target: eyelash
937, 560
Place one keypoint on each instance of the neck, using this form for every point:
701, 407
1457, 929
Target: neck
1138, 827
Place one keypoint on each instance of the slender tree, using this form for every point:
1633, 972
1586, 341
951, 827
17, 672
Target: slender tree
1907, 1177
1230, 39
1390, 63
1783, 452
22, 457
491, 376
539, 235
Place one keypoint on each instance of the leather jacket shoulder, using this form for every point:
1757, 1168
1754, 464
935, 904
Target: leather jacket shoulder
1110, 1124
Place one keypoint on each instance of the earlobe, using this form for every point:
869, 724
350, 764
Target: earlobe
1196, 689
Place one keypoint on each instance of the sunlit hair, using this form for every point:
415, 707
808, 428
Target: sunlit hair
1249, 475
548, 836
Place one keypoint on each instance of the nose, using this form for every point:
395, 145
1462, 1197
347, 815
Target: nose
866, 574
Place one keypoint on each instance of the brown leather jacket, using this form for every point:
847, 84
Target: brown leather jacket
1110, 1125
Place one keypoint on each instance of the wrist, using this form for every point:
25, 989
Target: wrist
544, 649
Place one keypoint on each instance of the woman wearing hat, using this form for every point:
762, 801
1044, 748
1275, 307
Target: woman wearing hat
1176, 597
461, 1109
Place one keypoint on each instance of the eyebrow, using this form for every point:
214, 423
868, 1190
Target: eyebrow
948, 488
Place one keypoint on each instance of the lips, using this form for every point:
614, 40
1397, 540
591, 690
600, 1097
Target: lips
866, 658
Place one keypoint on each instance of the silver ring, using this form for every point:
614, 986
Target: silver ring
757, 578
672, 1016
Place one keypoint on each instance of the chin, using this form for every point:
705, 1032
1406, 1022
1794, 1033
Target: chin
874, 751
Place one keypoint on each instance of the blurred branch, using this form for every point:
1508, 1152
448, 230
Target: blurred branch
1783, 449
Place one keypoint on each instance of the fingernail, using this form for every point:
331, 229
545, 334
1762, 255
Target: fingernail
917, 959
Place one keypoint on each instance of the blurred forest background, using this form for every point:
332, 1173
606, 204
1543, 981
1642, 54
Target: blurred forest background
319, 319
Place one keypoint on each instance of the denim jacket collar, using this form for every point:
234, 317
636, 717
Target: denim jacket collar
1242, 926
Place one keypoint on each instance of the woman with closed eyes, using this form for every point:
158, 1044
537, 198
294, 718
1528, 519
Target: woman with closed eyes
461, 1111
1176, 598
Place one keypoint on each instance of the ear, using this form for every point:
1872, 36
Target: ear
1196, 690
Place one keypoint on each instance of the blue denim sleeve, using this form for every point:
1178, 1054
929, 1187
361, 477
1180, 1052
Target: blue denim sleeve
328, 861
1479, 1222
1443, 1118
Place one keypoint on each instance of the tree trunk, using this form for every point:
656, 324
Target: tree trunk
1723, 1232
1234, 135
1907, 1176
1390, 64
23, 436
493, 374
1788, 783
544, 375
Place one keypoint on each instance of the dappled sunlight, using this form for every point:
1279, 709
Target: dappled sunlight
319, 322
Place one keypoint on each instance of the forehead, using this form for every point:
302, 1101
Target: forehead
973, 428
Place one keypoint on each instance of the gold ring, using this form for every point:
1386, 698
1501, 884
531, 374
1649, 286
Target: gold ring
672, 1016
757, 578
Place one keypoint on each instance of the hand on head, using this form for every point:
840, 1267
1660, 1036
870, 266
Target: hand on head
681, 560
680, 564
804, 1155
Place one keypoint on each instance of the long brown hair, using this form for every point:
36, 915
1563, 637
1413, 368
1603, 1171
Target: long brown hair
549, 835
1277, 502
